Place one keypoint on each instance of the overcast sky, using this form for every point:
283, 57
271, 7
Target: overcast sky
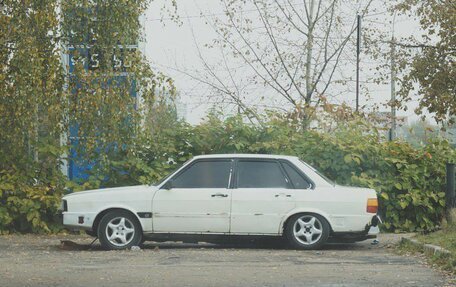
171, 47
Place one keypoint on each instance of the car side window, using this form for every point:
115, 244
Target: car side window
260, 174
204, 174
299, 182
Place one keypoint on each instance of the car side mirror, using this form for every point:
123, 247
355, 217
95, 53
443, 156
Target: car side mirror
168, 185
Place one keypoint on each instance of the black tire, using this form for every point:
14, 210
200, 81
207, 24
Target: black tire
301, 242
130, 222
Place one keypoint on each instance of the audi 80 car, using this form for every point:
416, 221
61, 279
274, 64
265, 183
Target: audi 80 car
214, 196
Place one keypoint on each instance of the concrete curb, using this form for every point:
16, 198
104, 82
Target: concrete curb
429, 249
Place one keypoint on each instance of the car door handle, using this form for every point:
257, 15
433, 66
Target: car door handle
283, 194
219, 195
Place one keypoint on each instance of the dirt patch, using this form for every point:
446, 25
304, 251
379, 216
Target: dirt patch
31, 260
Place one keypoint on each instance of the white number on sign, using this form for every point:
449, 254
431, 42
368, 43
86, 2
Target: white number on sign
117, 62
94, 61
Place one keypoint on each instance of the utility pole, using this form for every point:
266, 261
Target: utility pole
358, 51
450, 195
393, 89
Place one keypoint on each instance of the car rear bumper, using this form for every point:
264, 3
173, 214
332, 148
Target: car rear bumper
376, 220
370, 232
373, 231
372, 228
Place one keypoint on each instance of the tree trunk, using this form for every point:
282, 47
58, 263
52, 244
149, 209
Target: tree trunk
309, 50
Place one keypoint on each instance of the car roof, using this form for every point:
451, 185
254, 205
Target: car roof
244, 155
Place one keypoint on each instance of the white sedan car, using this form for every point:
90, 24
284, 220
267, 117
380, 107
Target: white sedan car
214, 196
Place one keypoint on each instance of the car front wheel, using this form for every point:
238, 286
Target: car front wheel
119, 230
307, 231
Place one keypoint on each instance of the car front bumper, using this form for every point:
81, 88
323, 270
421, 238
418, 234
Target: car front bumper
78, 220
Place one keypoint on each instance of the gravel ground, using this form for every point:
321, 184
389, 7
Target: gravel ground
31, 260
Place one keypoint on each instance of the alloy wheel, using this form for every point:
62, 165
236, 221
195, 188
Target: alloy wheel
307, 229
120, 231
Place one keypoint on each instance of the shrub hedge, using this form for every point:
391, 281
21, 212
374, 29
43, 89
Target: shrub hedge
409, 180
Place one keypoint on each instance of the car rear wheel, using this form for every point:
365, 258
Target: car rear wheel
119, 230
307, 231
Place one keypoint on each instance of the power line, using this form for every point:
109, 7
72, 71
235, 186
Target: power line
201, 15
376, 14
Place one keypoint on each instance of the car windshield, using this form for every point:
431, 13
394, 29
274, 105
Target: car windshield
319, 173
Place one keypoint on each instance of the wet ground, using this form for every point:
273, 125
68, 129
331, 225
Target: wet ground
30, 260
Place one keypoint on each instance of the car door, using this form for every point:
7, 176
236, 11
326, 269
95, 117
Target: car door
196, 200
261, 197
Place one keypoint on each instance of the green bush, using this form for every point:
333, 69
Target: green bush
409, 181
28, 203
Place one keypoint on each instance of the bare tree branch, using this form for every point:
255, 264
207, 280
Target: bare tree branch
295, 50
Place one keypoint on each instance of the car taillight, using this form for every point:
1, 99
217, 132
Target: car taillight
372, 205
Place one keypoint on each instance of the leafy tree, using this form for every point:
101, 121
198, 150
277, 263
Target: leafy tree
31, 109
428, 60
39, 101
30, 81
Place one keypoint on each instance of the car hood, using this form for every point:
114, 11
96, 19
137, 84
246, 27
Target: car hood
111, 191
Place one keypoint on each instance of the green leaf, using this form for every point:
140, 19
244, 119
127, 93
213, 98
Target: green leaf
403, 204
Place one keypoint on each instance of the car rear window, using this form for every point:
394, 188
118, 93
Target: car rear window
260, 174
299, 182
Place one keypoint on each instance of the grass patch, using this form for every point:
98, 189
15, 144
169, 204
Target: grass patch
443, 238
445, 262
446, 238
